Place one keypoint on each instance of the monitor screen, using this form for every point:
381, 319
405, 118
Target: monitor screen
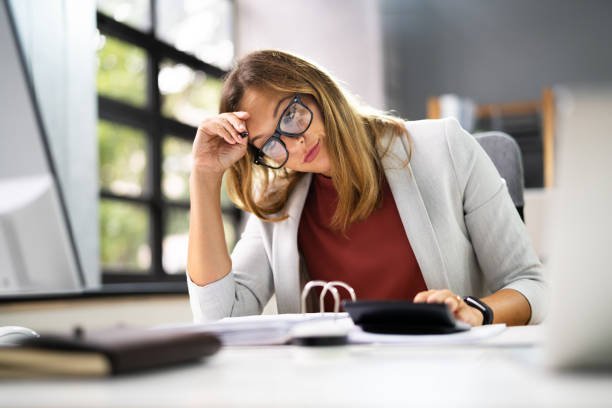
580, 333
37, 251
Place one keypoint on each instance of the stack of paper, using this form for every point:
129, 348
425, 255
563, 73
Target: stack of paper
279, 329
263, 329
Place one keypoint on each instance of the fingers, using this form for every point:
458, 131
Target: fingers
238, 123
231, 126
461, 310
454, 303
433, 296
445, 296
242, 115
225, 131
421, 297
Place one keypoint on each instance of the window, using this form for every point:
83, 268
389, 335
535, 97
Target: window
160, 65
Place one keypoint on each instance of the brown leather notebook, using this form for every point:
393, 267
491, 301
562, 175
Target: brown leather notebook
104, 352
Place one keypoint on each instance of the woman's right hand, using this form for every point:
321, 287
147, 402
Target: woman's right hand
218, 143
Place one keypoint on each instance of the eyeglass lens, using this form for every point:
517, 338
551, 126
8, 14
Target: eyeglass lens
295, 119
274, 153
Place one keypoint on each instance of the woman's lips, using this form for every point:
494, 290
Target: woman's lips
312, 153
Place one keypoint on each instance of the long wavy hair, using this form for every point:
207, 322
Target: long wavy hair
353, 133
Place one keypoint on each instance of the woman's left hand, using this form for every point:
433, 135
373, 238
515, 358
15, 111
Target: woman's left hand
461, 310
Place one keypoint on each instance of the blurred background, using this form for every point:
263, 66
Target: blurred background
123, 84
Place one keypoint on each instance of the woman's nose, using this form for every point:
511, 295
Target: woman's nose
294, 142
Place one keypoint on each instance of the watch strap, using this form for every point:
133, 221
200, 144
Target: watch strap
487, 312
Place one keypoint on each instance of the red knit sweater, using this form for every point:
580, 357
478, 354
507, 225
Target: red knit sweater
375, 256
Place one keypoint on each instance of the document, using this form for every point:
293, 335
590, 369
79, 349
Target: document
260, 330
279, 329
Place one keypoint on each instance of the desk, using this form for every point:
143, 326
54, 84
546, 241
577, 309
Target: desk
489, 375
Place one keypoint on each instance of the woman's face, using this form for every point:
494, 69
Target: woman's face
307, 152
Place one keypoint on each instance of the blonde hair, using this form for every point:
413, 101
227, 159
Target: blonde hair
352, 139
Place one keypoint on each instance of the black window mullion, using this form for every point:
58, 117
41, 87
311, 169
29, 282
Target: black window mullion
121, 112
178, 129
109, 195
157, 208
179, 205
111, 276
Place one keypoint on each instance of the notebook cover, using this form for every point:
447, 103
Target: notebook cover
129, 350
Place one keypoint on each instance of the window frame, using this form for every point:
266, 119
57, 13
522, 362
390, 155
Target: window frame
156, 127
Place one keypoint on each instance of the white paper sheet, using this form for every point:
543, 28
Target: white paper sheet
278, 329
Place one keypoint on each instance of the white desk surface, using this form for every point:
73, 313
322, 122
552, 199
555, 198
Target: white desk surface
507, 372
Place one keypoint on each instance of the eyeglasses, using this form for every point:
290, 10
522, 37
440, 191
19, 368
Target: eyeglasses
294, 121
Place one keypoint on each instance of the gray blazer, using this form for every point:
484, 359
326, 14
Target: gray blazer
462, 225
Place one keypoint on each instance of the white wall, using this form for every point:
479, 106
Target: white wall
58, 38
491, 51
342, 36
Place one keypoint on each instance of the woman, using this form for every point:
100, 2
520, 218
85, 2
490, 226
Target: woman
398, 210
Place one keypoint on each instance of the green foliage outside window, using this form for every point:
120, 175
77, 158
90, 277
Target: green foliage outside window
188, 96
122, 72
122, 152
124, 230
176, 167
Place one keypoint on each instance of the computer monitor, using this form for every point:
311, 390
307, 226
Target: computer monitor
37, 251
580, 227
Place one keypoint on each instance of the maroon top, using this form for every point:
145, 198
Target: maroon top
375, 256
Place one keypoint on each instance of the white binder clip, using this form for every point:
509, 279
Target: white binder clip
327, 287
323, 330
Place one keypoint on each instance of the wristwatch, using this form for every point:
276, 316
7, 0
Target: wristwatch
487, 312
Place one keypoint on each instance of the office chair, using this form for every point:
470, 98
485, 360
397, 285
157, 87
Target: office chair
506, 156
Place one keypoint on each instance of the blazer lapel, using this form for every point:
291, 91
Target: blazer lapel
285, 255
413, 213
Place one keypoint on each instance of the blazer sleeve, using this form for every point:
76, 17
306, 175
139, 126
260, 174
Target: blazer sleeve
502, 246
245, 290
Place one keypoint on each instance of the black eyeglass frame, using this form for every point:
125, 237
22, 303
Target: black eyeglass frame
258, 153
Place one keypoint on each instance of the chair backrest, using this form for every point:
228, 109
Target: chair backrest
506, 156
